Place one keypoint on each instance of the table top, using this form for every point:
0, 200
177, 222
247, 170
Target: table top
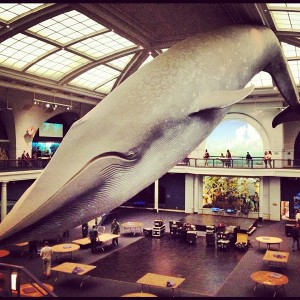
161, 280
102, 238
37, 291
63, 248
269, 239
132, 224
140, 294
68, 267
4, 253
269, 278
22, 244
276, 256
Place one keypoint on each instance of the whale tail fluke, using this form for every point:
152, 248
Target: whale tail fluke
287, 115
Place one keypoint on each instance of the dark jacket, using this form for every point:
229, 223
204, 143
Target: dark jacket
295, 233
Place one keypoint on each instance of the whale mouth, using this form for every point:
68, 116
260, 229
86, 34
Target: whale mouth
86, 180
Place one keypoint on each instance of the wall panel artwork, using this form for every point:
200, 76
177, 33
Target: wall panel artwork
239, 193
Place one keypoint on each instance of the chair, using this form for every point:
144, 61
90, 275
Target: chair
101, 229
242, 241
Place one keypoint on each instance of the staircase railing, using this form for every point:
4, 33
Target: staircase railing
17, 275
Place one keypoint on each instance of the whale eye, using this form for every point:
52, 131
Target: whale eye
131, 153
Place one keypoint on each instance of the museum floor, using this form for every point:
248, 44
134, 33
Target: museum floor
208, 272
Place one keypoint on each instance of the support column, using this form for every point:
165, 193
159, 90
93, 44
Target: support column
3, 200
196, 195
156, 195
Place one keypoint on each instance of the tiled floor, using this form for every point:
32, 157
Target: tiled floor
208, 271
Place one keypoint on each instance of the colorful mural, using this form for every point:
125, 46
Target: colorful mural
239, 193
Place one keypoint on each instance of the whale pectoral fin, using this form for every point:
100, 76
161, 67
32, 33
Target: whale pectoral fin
221, 99
287, 115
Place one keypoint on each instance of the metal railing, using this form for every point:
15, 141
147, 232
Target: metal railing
15, 276
240, 163
10, 165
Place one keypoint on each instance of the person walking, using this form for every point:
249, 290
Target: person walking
94, 237
295, 236
46, 254
115, 229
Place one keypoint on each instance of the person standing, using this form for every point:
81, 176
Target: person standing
206, 157
228, 158
46, 254
269, 158
115, 229
248, 159
295, 236
85, 230
94, 237
32, 249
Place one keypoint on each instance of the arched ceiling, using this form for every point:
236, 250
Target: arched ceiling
85, 50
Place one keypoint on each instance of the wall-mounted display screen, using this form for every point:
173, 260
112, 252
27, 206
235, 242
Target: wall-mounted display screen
231, 193
45, 147
51, 130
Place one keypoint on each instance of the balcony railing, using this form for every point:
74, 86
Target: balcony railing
240, 163
10, 165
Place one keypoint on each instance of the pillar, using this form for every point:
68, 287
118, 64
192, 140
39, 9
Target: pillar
3, 200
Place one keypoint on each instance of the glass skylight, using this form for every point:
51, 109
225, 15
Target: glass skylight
20, 50
290, 50
261, 80
95, 77
294, 66
9, 12
106, 88
102, 45
57, 65
66, 28
120, 63
286, 16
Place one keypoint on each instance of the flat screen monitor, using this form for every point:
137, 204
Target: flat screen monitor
51, 130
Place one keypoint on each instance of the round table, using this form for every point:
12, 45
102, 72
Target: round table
269, 240
34, 290
4, 253
132, 226
65, 248
139, 295
269, 278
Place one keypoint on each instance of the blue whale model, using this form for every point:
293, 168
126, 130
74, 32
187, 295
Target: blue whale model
145, 126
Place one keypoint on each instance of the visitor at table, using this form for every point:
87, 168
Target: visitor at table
295, 236
115, 229
94, 237
46, 254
